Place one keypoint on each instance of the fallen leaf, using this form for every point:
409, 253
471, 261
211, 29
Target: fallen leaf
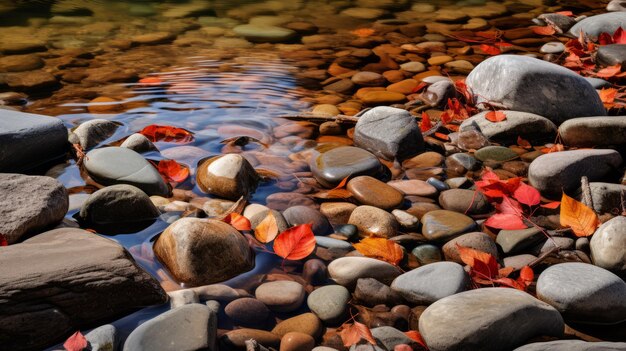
441, 136
509, 206
151, 81
482, 262
3, 240
381, 248
609, 72
552, 205
553, 148
546, 30
527, 195
495, 116
578, 216
333, 194
342, 184
565, 13
426, 124
523, 143
526, 274
490, 49
363, 32
172, 170
608, 96
238, 221
619, 37
352, 334
76, 342
166, 133
267, 230
505, 221
295, 243
416, 336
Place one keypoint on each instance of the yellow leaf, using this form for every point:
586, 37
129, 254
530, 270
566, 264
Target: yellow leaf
267, 230
381, 249
576, 215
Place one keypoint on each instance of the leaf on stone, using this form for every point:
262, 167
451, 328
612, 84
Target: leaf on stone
483, 263
546, 30
523, 143
353, 333
490, 49
495, 116
76, 342
295, 243
619, 37
3, 240
578, 216
509, 206
416, 336
505, 221
173, 171
609, 72
526, 274
527, 195
608, 96
167, 133
267, 230
426, 124
381, 248
238, 221
552, 205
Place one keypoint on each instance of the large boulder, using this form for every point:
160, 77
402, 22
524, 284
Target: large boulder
595, 25
203, 251
487, 319
389, 133
527, 84
28, 140
29, 204
64, 280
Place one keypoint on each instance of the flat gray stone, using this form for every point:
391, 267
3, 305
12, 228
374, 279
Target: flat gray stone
332, 166
329, 303
347, 270
183, 328
118, 165
514, 241
573, 345
594, 131
103, 338
595, 25
527, 84
529, 126
608, 245
389, 337
63, 280
371, 292
389, 133
118, 203
611, 55
28, 140
297, 215
561, 171
584, 293
30, 204
487, 319
432, 282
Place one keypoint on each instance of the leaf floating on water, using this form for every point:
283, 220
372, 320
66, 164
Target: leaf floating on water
167, 133
76, 342
381, 248
295, 243
267, 230
578, 216
353, 333
173, 171
238, 221
495, 116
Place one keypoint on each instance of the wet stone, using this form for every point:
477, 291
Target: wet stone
297, 215
608, 245
281, 222
281, 296
429, 283
413, 187
31, 80
583, 293
371, 191
118, 203
476, 240
337, 212
138, 143
20, 63
471, 140
347, 270
427, 253
103, 338
264, 33
295, 341
469, 202
331, 167
306, 323
603, 23
461, 163
443, 225
247, 312
372, 221
424, 160
236, 339
229, 176
390, 337
91, 133
523, 124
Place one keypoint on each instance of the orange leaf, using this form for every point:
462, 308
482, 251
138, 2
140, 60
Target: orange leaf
552, 205
608, 96
523, 143
507, 221
342, 183
565, 13
576, 215
352, 334
526, 274
166, 133
238, 221
76, 342
484, 263
151, 81
381, 248
333, 194
609, 72
363, 32
441, 136
547, 30
416, 336
426, 124
295, 243
553, 148
267, 230
495, 116
490, 49
173, 171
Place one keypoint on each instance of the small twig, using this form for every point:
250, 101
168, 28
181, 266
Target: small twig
587, 199
543, 256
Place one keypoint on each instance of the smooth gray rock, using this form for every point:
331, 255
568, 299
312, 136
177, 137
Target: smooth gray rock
347, 270
297, 215
529, 126
389, 337
389, 133
103, 338
527, 84
29, 204
573, 345
182, 297
616, 5
183, 328
118, 203
28, 140
65, 279
611, 55
470, 202
331, 243
332, 166
281, 295
514, 241
561, 171
91, 133
554, 47
607, 197
594, 131
432, 282
118, 165
329, 303
139, 143
371, 292
584, 293
595, 25
608, 245
598, 83
487, 319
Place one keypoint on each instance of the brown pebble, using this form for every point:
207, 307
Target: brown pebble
294, 341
